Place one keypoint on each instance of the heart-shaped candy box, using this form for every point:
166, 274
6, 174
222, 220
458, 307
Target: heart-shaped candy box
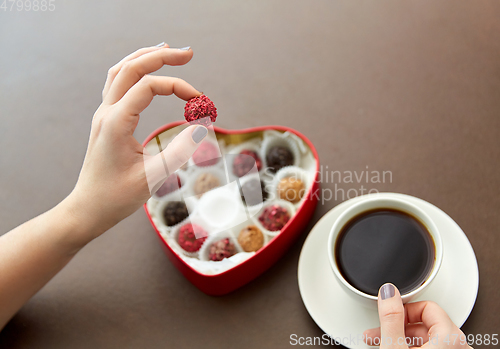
223, 276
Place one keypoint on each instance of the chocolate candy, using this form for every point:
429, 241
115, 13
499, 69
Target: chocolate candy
198, 108
172, 183
274, 217
251, 238
291, 189
205, 182
253, 192
278, 157
187, 238
175, 212
207, 154
245, 161
221, 249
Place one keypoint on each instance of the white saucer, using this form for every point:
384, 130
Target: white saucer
340, 316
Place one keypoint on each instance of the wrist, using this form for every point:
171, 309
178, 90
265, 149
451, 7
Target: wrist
81, 225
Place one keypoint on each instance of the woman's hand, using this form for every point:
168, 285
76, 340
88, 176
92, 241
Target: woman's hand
112, 183
421, 324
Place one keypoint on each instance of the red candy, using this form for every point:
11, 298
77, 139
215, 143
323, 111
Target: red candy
172, 183
274, 217
243, 164
198, 108
207, 154
187, 239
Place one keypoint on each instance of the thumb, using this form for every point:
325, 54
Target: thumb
158, 167
182, 147
392, 317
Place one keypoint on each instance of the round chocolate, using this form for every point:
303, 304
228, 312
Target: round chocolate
291, 189
207, 154
274, 217
187, 238
205, 182
253, 192
199, 108
278, 157
221, 249
172, 183
251, 238
175, 212
245, 161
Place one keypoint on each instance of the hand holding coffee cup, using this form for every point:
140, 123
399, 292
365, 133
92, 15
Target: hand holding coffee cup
412, 324
384, 240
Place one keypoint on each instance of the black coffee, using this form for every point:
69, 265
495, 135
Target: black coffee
384, 245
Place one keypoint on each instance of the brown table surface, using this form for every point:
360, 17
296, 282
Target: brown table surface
411, 87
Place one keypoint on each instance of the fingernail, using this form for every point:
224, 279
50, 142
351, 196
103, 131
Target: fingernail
199, 133
387, 291
161, 44
185, 48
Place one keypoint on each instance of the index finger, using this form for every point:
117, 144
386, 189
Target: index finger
113, 71
132, 71
427, 312
141, 94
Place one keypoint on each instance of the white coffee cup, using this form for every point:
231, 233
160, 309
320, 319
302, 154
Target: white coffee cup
369, 203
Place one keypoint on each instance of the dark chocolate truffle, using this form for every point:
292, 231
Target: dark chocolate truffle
279, 157
251, 238
207, 154
175, 212
221, 249
274, 217
187, 238
172, 183
198, 108
291, 189
245, 161
253, 192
